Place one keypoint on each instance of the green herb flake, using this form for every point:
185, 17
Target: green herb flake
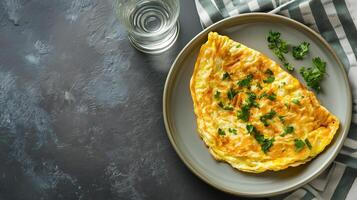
250, 128
255, 104
232, 130
226, 76
225, 107
319, 64
221, 132
308, 144
238, 45
243, 114
251, 95
217, 95
287, 130
281, 118
299, 144
246, 81
269, 79
273, 37
267, 143
269, 72
271, 97
264, 118
250, 101
314, 75
231, 93
259, 137
296, 101
301, 50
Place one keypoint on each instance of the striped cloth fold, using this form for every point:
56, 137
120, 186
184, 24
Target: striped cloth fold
336, 21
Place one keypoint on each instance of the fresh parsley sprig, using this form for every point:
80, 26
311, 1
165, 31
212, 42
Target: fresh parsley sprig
300, 51
314, 75
299, 144
265, 143
279, 48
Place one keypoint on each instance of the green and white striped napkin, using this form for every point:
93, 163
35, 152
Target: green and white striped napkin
336, 21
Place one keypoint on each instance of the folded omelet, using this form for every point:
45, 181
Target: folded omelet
251, 113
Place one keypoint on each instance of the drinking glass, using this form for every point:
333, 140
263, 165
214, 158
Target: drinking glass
151, 24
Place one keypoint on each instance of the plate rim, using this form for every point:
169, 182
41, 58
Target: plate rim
170, 79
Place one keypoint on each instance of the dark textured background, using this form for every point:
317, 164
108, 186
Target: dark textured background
81, 110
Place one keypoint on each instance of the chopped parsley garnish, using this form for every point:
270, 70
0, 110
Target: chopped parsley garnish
269, 79
232, 130
282, 118
287, 130
225, 107
296, 101
314, 75
265, 143
238, 46
271, 96
217, 95
308, 144
251, 100
319, 64
251, 95
243, 114
266, 117
259, 137
279, 47
226, 76
231, 93
250, 128
299, 144
246, 81
221, 132
269, 72
300, 51
276, 43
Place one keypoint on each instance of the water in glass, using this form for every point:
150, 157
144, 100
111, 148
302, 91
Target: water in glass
152, 24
